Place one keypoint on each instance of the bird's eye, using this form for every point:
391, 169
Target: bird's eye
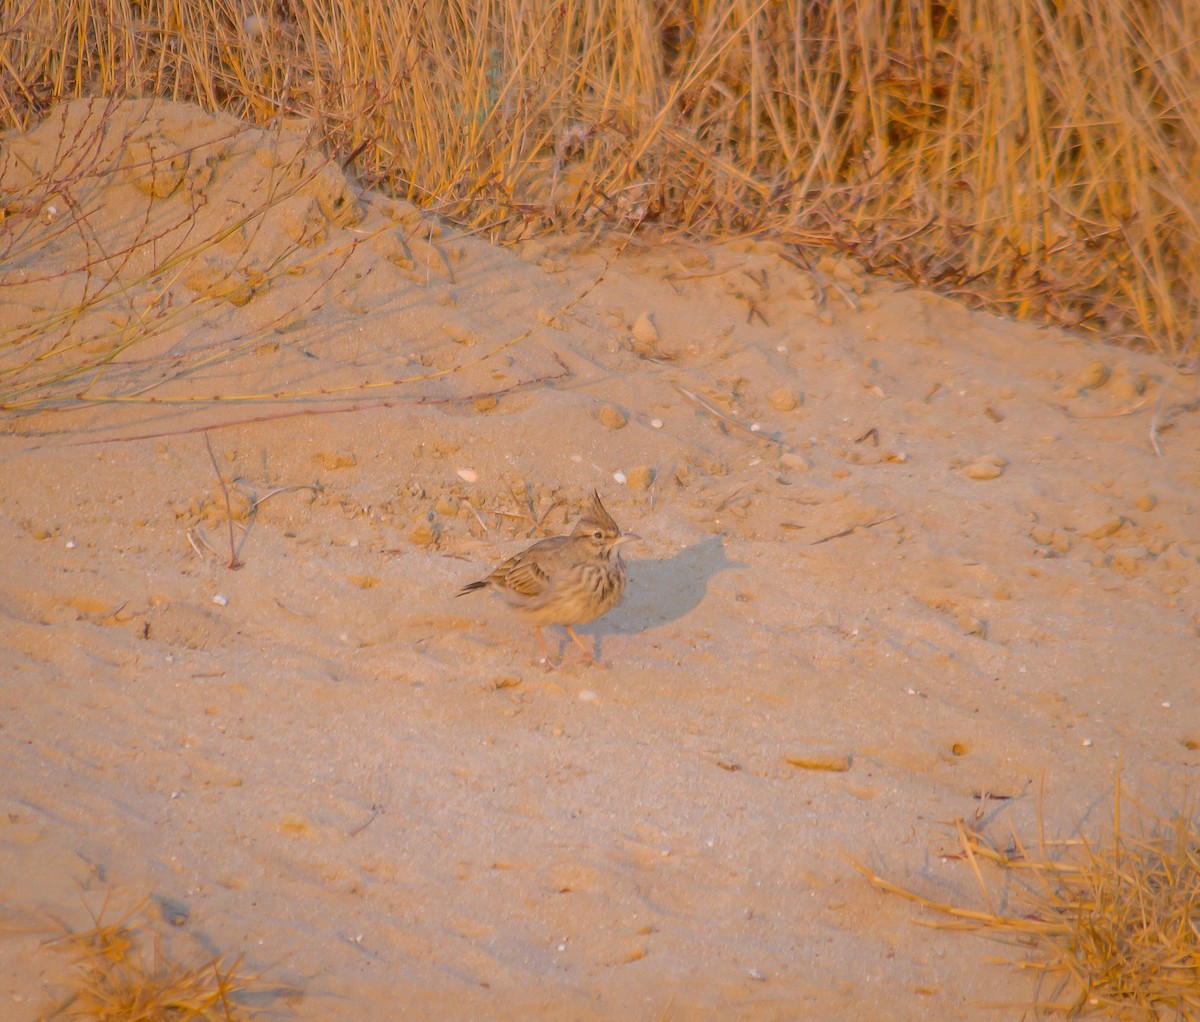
597, 534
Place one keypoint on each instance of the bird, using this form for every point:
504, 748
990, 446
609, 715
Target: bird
565, 580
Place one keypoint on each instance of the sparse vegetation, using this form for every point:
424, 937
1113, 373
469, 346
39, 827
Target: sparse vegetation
1111, 926
1037, 159
114, 978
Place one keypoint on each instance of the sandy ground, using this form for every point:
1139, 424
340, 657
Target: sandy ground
880, 530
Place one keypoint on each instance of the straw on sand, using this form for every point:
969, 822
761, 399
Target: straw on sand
1115, 926
115, 979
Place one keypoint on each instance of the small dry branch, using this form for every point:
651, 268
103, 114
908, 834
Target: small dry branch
234, 563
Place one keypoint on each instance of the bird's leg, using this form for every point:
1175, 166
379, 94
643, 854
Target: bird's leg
550, 664
588, 655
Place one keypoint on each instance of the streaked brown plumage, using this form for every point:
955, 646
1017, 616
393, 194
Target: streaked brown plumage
565, 580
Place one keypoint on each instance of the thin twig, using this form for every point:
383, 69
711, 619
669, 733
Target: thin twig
1105, 415
738, 490
853, 528
356, 407
1154, 427
203, 542
376, 809
478, 517
795, 255
192, 541
758, 435
556, 503
871, 434
847, 295
234, 563
316, 488
378, 804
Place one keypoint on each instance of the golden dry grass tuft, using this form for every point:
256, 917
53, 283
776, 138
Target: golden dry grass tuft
115, 979
1038, 158
1114, 927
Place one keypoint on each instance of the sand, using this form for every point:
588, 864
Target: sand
953, 556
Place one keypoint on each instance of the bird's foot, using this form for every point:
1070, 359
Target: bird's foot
589, 657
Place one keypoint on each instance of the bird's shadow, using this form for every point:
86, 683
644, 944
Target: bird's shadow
662, 591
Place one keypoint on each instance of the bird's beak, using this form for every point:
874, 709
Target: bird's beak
625, 537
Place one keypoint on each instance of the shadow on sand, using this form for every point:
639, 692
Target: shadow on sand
659, 592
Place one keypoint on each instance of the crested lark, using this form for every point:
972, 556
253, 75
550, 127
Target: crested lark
565, 580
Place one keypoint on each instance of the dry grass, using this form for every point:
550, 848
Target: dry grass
115, 286
103, 308
1041, 159
115, 979
1115, 927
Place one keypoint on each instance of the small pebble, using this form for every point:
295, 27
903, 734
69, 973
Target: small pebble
755, 427
656, 423
619, 477
332, 460
70, 544
467, 475
1126, 386
644, 329
612, 417
837, 762
641, 477
1105, 528
972, 625
1043, 535
987, 467
458, 333
485, 404
782, 400
221, 600
1129, 562
1094, 375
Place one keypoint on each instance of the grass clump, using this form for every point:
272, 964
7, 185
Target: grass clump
1036, 158
115, 979
1115, 926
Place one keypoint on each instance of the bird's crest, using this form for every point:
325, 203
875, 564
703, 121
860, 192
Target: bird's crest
596, 517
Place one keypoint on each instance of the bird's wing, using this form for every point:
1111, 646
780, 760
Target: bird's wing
524, 575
